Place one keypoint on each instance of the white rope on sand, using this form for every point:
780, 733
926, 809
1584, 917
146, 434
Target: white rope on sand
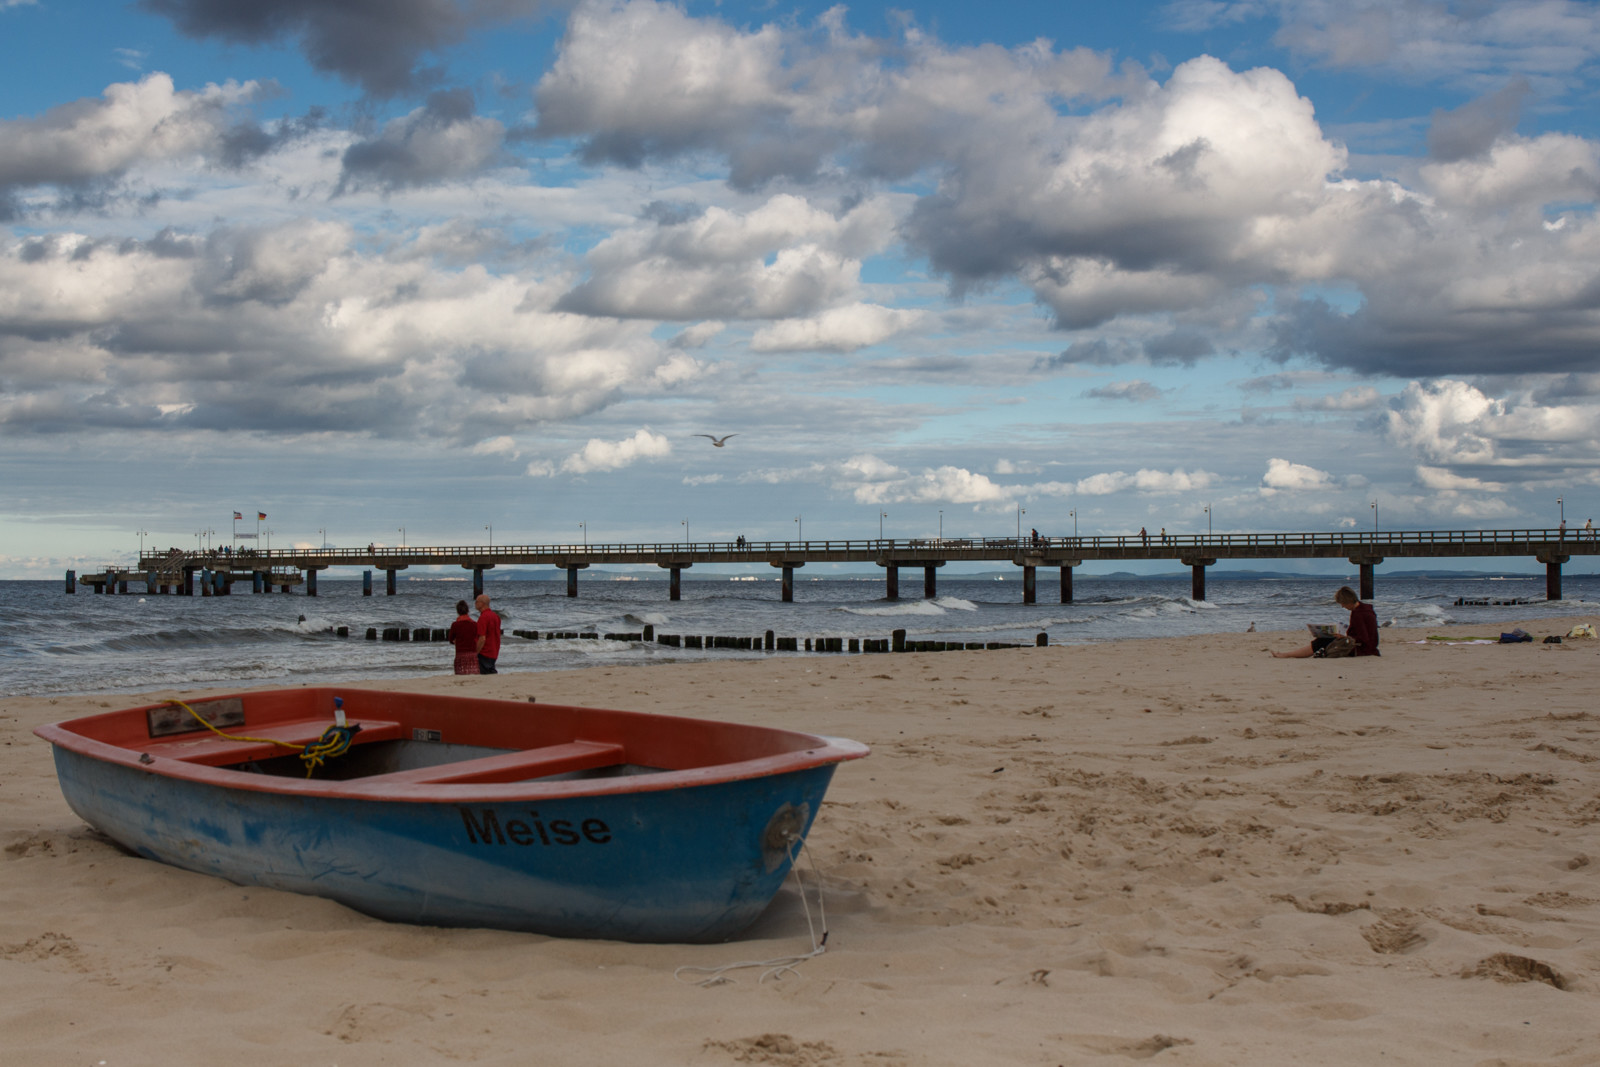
774, 968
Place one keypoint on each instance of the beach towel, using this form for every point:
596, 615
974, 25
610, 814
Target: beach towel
1516, 636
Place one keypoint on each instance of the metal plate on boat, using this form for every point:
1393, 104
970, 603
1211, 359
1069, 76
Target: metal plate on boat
170, 719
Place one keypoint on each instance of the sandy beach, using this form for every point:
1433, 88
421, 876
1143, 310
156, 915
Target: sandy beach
1176, 849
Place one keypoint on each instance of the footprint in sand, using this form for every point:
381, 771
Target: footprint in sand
780, 1049
47, 946
1393, 936
1134, 1050
1505, 967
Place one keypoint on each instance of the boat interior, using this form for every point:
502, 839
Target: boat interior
415, 739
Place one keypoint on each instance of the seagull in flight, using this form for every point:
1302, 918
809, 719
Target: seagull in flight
716, 441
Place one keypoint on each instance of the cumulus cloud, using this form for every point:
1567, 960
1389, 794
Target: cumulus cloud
91, 140
786, 257
1170, 203
1439, 478
947, 484
1147, 204
698, 335
641, 80
497, 446
1454, 426
1144, 481
1446, 421
600, 455
842, 329
443, 140
1472, 129
379, 46
1284, 475
294, 328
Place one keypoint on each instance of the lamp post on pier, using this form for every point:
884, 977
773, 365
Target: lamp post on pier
324, 534
800, 529
1074, 514
490, 528
142, 535
941, 524
685, 531
584, 531
1021, 511
881, 516
402, 537
1374, 520
1208, 522
1562, 504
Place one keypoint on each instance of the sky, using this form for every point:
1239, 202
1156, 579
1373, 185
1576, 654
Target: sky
458, 272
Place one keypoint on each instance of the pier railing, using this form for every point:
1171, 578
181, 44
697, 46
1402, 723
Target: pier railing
1122, 546
286, 567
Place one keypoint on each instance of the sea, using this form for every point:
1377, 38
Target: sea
55, 643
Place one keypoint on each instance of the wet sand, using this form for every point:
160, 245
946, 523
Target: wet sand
1177, 849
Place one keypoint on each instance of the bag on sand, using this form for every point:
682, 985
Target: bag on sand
1339, 647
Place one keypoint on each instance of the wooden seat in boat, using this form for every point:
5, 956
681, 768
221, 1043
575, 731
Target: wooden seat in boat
510, 766
211, 750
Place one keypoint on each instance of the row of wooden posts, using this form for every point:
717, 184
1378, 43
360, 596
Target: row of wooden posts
768, 642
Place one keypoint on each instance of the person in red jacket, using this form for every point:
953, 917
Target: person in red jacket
464, 636
1363, 630
488, 636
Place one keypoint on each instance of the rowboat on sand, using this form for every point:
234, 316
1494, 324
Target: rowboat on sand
459, 811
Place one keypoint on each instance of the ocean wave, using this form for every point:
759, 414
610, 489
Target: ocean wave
938, 606
1420, 614
645, 618
904, 608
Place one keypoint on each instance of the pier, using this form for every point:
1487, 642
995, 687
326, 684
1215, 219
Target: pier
215, 573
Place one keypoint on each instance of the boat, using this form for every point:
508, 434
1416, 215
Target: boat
459, 811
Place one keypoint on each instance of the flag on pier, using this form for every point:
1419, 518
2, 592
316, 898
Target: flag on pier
237, 516
260, 515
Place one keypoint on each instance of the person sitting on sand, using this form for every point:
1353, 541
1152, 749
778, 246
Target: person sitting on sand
1363, 630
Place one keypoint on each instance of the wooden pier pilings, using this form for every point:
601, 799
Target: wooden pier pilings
767, 642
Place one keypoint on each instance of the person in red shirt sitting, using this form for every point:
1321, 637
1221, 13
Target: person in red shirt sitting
1362, 631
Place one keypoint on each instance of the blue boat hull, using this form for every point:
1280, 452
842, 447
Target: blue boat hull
697, 863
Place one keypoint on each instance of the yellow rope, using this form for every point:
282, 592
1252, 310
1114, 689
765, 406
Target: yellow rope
335, 741
236, 737
313, 755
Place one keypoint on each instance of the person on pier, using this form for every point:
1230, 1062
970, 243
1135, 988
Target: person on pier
464, 636
1362, 632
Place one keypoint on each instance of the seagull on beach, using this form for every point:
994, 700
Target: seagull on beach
717, 441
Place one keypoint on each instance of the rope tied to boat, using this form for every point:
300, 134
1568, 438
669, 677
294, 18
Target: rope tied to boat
776, 968
335, 740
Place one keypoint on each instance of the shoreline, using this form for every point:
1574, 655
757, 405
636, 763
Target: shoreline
710, 657
1163, 845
